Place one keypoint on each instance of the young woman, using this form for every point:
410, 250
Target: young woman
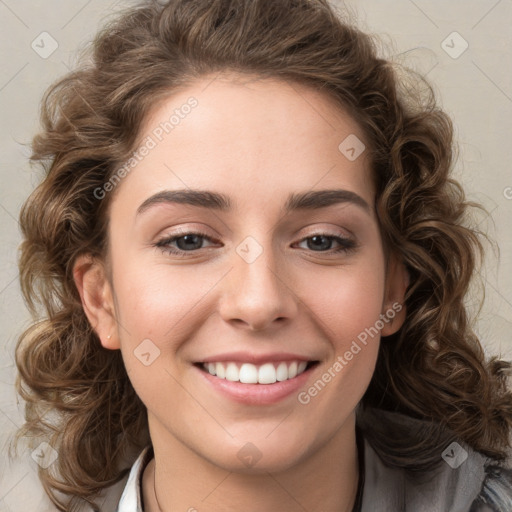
252, 262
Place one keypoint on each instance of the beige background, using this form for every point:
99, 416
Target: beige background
475, 88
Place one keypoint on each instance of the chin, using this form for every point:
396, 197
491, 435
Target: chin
262, 456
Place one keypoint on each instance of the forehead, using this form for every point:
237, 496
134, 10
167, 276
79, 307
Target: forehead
251, 138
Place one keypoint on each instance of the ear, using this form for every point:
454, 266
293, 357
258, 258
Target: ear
97, 299
393, 307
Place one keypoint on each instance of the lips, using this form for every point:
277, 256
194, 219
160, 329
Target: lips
256, 379
267, 389
250, 373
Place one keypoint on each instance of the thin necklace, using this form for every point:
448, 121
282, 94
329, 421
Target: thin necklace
154, 490
360, 483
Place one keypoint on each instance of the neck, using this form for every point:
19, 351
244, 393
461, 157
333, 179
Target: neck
178, 479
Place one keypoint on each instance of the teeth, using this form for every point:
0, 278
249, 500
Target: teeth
232, 372
220, 371
267, 374
292, 370
282, 372
248, 373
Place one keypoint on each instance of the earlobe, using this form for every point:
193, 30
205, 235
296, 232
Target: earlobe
397, 282
97, 299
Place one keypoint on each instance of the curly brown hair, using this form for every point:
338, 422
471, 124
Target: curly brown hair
78, 395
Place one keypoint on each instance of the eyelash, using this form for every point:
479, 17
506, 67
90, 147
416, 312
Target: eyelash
346, 245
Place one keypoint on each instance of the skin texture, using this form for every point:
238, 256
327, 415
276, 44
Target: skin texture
256, 141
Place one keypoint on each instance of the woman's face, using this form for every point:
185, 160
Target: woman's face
245, 243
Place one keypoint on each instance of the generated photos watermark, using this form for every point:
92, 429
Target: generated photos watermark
304, 397
149, 143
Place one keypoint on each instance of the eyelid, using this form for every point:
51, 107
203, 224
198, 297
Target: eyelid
180, 232
198, 232
330, 230
345, 243
327, 234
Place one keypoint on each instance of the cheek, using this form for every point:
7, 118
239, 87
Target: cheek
151, 296
347, 309
163, 304
157, 311
347, 300
347, 306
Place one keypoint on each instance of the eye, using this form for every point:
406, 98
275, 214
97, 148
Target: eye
188, 242
183, 242
322, 242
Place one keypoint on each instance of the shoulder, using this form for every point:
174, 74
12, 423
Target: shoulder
460, 480
463, 480
496, 493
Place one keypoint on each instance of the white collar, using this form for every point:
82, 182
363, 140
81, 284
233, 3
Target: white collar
389, 489
131, 500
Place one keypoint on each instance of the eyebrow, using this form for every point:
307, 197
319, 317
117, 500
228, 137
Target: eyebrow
310, 200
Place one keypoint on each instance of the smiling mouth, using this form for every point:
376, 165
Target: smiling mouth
248, 373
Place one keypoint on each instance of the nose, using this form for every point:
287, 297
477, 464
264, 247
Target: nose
256, 295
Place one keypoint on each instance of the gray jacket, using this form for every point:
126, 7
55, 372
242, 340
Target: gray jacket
464, 481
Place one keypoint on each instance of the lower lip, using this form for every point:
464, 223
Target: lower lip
257, 394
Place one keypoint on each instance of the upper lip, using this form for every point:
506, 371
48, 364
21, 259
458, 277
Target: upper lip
247, 357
